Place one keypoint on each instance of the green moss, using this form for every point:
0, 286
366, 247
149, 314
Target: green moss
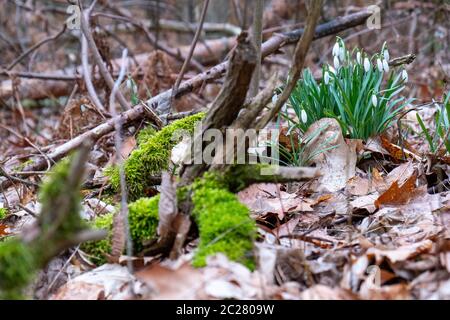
224, 223
145, 134
17, 266
98, 250
151, 157
143, 218
143, 215
3, 213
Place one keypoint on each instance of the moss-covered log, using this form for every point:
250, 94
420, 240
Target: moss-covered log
151, 156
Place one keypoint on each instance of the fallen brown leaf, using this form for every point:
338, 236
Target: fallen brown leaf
400, 254
396, 194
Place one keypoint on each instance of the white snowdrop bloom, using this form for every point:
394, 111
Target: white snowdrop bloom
385, 66
274, 98
366, 65
336, 49
326, 77
342, 53
358, 57
331, 69
405, 75
336, 63
386, 55
304, 116
379, 65
374, 100
181, 151
129, 84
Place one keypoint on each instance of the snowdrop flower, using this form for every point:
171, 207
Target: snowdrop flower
342, 53
181, 151
129, 84
358, 57
386, 54
385, 66
379, 65
336, 49
336, 62
374, 100
331, 69
366, 65
274, 98
405, 75
326, 77
304, 116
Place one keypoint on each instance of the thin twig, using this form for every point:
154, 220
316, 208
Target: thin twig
87, 77
42, 76
193, 44
171, 52
118, 145
36, 46
257, 40
298, 61
84, 19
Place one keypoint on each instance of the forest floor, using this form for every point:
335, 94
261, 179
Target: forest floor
374, 225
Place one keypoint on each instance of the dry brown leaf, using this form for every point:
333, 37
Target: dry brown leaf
401, 173
3, 230
108, 282
402, 253
399, 291
172, 284
365, 202
397, 152
322, 292
358, 186
264, 198
288, 140
397, 195
338, 164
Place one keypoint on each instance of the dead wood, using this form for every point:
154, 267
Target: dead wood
36, 89
161, 101
225, 108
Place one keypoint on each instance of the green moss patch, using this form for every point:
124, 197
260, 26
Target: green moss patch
224, 223
3, 213
17, 266
143, 218
151, 156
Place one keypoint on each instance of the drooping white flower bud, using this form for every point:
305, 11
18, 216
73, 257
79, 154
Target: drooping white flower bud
331, 69
336, 49
386, 54
274, 98
358, 57
379, 65
342, 53
374, 100
129, 84
336, 62
405, 75
385, 66
326, 77
304, 116
366, 65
